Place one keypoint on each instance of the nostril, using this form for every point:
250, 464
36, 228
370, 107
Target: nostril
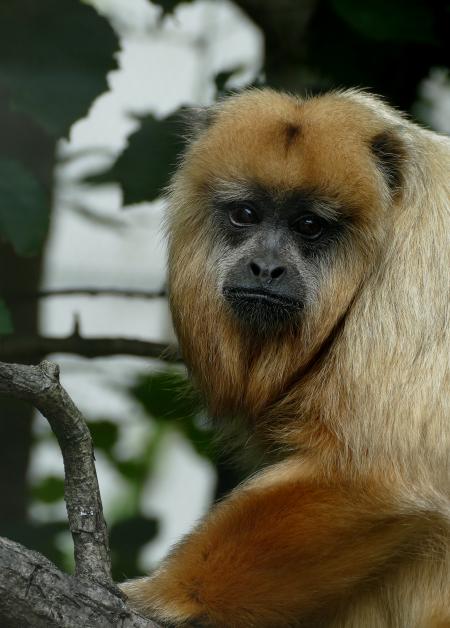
256, 270
277, 272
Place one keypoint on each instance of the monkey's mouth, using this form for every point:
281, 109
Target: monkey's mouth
263, 310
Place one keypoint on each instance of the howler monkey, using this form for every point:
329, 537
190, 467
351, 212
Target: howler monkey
309, 284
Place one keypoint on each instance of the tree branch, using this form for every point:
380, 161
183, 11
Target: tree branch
16, 347
36, 593
40, 385
102, 292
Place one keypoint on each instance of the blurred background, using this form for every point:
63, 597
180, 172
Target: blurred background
89, 135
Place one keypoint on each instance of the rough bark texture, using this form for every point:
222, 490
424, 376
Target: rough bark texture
33, 592
40, 385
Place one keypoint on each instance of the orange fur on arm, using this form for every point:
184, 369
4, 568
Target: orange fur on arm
270, 556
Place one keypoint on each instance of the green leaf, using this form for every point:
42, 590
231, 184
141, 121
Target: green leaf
39, 536
50, 490
127, 537
384, 20
104, 434
170, 400
221, 80
169, 6
6, 326
133, 470
145, 166
166, 395
133, 532
24, 208
55, 55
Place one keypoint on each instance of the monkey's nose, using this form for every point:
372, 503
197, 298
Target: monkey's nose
266, 271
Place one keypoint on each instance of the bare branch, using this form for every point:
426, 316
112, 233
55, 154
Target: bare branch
40, 385
17, 347
85, 291
35, 594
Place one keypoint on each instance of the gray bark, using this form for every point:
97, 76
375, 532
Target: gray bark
40, 386
33, 592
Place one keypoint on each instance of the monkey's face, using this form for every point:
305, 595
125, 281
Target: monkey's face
277, 214
271, 245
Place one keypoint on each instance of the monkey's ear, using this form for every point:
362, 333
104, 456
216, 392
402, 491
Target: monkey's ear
389, 154
196, 120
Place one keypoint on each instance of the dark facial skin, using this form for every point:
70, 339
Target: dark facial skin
274, 243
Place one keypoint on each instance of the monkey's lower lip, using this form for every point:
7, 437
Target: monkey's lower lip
265, 297
261, 310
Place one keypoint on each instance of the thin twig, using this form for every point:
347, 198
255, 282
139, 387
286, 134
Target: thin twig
85, 291
16, 347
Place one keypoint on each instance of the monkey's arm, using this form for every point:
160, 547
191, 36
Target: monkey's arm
268, 556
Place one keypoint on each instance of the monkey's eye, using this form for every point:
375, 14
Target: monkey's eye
243, 216
309, 226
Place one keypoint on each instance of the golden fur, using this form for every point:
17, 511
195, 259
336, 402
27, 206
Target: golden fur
352, 528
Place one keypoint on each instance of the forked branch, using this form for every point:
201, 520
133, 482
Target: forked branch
34, 591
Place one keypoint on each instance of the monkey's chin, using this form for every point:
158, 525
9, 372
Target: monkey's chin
262, 311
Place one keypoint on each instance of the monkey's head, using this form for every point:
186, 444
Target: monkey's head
277, 213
